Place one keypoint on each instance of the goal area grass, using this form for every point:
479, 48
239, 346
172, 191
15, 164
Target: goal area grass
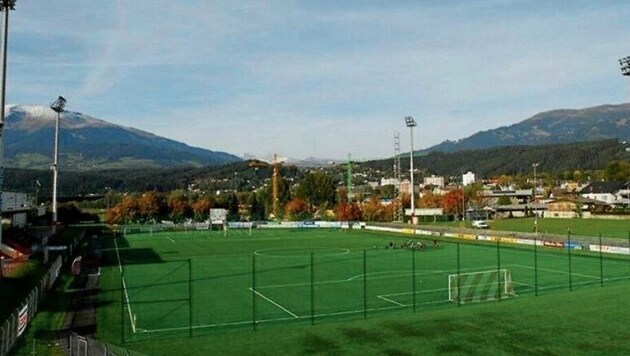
173, 285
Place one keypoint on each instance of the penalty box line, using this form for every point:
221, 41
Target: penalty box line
274, 303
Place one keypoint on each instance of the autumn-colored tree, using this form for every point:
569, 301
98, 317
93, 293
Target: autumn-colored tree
150, 205
354, 212
430, 200
373, 210
348, 212
406, 200
129, 209
114, 215
178, 205
452, 202
201, 208
297, 209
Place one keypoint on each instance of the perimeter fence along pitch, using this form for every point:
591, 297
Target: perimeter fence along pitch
179, 284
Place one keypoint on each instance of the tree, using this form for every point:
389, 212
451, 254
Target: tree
150, 205
129, 209
475, 197
297, 209
452, 202
179, 206
504, 200
201, 208
430, 200
348, 212
114, 215
317, 188
373, 210
232, 208
256, 209
617, 170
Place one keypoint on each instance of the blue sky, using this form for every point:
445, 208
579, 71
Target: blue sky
317, 78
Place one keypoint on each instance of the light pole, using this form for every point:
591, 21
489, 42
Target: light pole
535, 165
410, 122
5, 6
57, 106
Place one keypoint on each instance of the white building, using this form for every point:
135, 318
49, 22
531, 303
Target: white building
389, 181
468, 178
435, 181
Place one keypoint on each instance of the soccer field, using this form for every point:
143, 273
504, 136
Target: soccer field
177, 284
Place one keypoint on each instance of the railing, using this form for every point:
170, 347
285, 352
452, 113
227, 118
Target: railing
17, 322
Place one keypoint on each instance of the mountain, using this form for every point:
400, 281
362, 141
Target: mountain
551, 127
308, 162
87, 143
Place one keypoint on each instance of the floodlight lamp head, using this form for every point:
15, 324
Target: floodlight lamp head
7, 4
59, 104
625, 65
410, 122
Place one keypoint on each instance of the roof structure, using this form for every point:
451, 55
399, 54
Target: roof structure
604, 187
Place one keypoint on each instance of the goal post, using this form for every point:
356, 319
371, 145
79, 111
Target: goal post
244, 228
472, 287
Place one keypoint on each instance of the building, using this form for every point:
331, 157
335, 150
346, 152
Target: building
614, 192
389, 181
434, 181
468, 178
573, 207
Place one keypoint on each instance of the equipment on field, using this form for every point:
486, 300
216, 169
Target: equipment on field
482, 286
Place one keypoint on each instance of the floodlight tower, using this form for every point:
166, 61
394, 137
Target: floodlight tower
625, 66
57, 106
411, 123
5, 6
535, 165
624, 63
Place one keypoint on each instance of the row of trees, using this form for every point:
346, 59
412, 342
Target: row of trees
316, 196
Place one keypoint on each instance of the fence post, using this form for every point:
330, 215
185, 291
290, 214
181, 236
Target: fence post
499, 268
535, 266
569, 254
190, 297
122, 308
364, 286
312, 290
458, 277
413, 276
601, 262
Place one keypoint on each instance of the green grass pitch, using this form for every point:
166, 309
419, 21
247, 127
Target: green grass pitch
178, 284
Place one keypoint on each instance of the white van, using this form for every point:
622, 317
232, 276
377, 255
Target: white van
480, 224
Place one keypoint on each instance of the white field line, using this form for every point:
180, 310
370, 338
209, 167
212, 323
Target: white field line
250, 322
558, 271
274, 303
171, 240
133, 324
359, 278
391, 301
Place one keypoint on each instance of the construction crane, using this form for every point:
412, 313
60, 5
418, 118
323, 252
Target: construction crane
275, 164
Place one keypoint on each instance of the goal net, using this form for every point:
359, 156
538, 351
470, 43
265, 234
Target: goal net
481, 286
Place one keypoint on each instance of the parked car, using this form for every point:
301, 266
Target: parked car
480, 224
